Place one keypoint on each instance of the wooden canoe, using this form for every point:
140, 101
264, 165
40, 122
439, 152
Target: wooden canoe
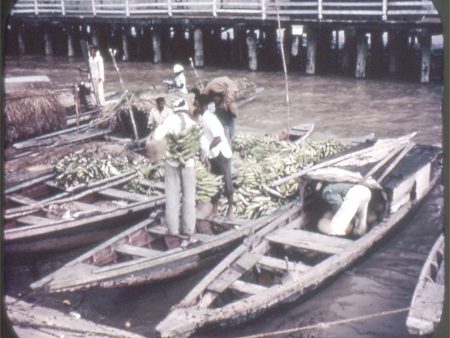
289, 257
428, 298
42, 218
30, 320
141, 254
146, 253
300, 132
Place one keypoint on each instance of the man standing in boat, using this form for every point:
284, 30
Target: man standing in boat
179, 173
215, 149
97, 72
223, 91
349, 202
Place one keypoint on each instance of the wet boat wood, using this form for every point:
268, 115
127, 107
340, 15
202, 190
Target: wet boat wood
31, 320
428, 298
42, 217
284, 261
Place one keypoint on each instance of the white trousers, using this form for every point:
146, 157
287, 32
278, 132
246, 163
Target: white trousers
99, 91
355, 204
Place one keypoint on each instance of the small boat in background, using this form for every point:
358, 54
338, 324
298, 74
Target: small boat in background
428, 299
288, 257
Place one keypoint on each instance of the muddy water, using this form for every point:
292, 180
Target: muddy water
340, 107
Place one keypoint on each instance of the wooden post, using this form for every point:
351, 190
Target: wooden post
393, 41
295, 45
48, 42
21, 39
361, 55
349, 48
94, 36
287, 42
125, 51
376, 48
70, 50
425, 47
156, 44
252, 51
239, 45
199, 55
311, 52
324, 58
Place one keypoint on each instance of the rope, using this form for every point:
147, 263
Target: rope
325, 325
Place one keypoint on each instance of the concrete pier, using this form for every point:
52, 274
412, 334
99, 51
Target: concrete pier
361, 55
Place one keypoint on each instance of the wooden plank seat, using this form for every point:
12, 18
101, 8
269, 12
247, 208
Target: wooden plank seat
161, 230
302, 239
33, 220
247, 288
22, 199
279, 265
121, 194
133, 250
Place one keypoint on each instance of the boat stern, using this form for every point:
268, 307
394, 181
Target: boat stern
181, 323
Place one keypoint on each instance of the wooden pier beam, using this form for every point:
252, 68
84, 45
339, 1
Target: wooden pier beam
70, 48
156, 44
361, 55
199, 55
376, 49
48, 41
394, 52
125, 49
425, 47
252, 51
311, 51
21, 39
348, 54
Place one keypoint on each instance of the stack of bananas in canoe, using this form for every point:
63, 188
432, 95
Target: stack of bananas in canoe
184, 145
263, 160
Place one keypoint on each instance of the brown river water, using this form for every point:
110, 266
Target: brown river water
383, 280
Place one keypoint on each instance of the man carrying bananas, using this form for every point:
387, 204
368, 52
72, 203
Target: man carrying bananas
183, 137
215, 148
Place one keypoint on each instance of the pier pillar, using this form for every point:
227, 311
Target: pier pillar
94, 36
425, 46
239, 45
324, 53
361, 55
125, 50
287, 43
349, 49
394, 52
311, 50
156, 44
199, 55
21, 39
376, 49
70, 49
252, 51
48, 42
295, 45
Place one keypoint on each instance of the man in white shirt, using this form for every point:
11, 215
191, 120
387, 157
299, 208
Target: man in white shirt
215, 147
180, 80
158, 114
97, 72
179, 178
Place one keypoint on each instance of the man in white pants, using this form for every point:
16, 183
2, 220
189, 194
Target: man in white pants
179, 179
97, 72
348, 201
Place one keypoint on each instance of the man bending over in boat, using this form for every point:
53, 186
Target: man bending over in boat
215, 149
349, 202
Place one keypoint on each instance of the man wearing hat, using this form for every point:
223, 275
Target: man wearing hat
97, 71
180, 80
179, 177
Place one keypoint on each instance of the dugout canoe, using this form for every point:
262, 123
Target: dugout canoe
142, 254
44, 218
31, 320
428, 299
289, 257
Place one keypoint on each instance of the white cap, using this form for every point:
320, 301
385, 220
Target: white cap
178, 68
180, 105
